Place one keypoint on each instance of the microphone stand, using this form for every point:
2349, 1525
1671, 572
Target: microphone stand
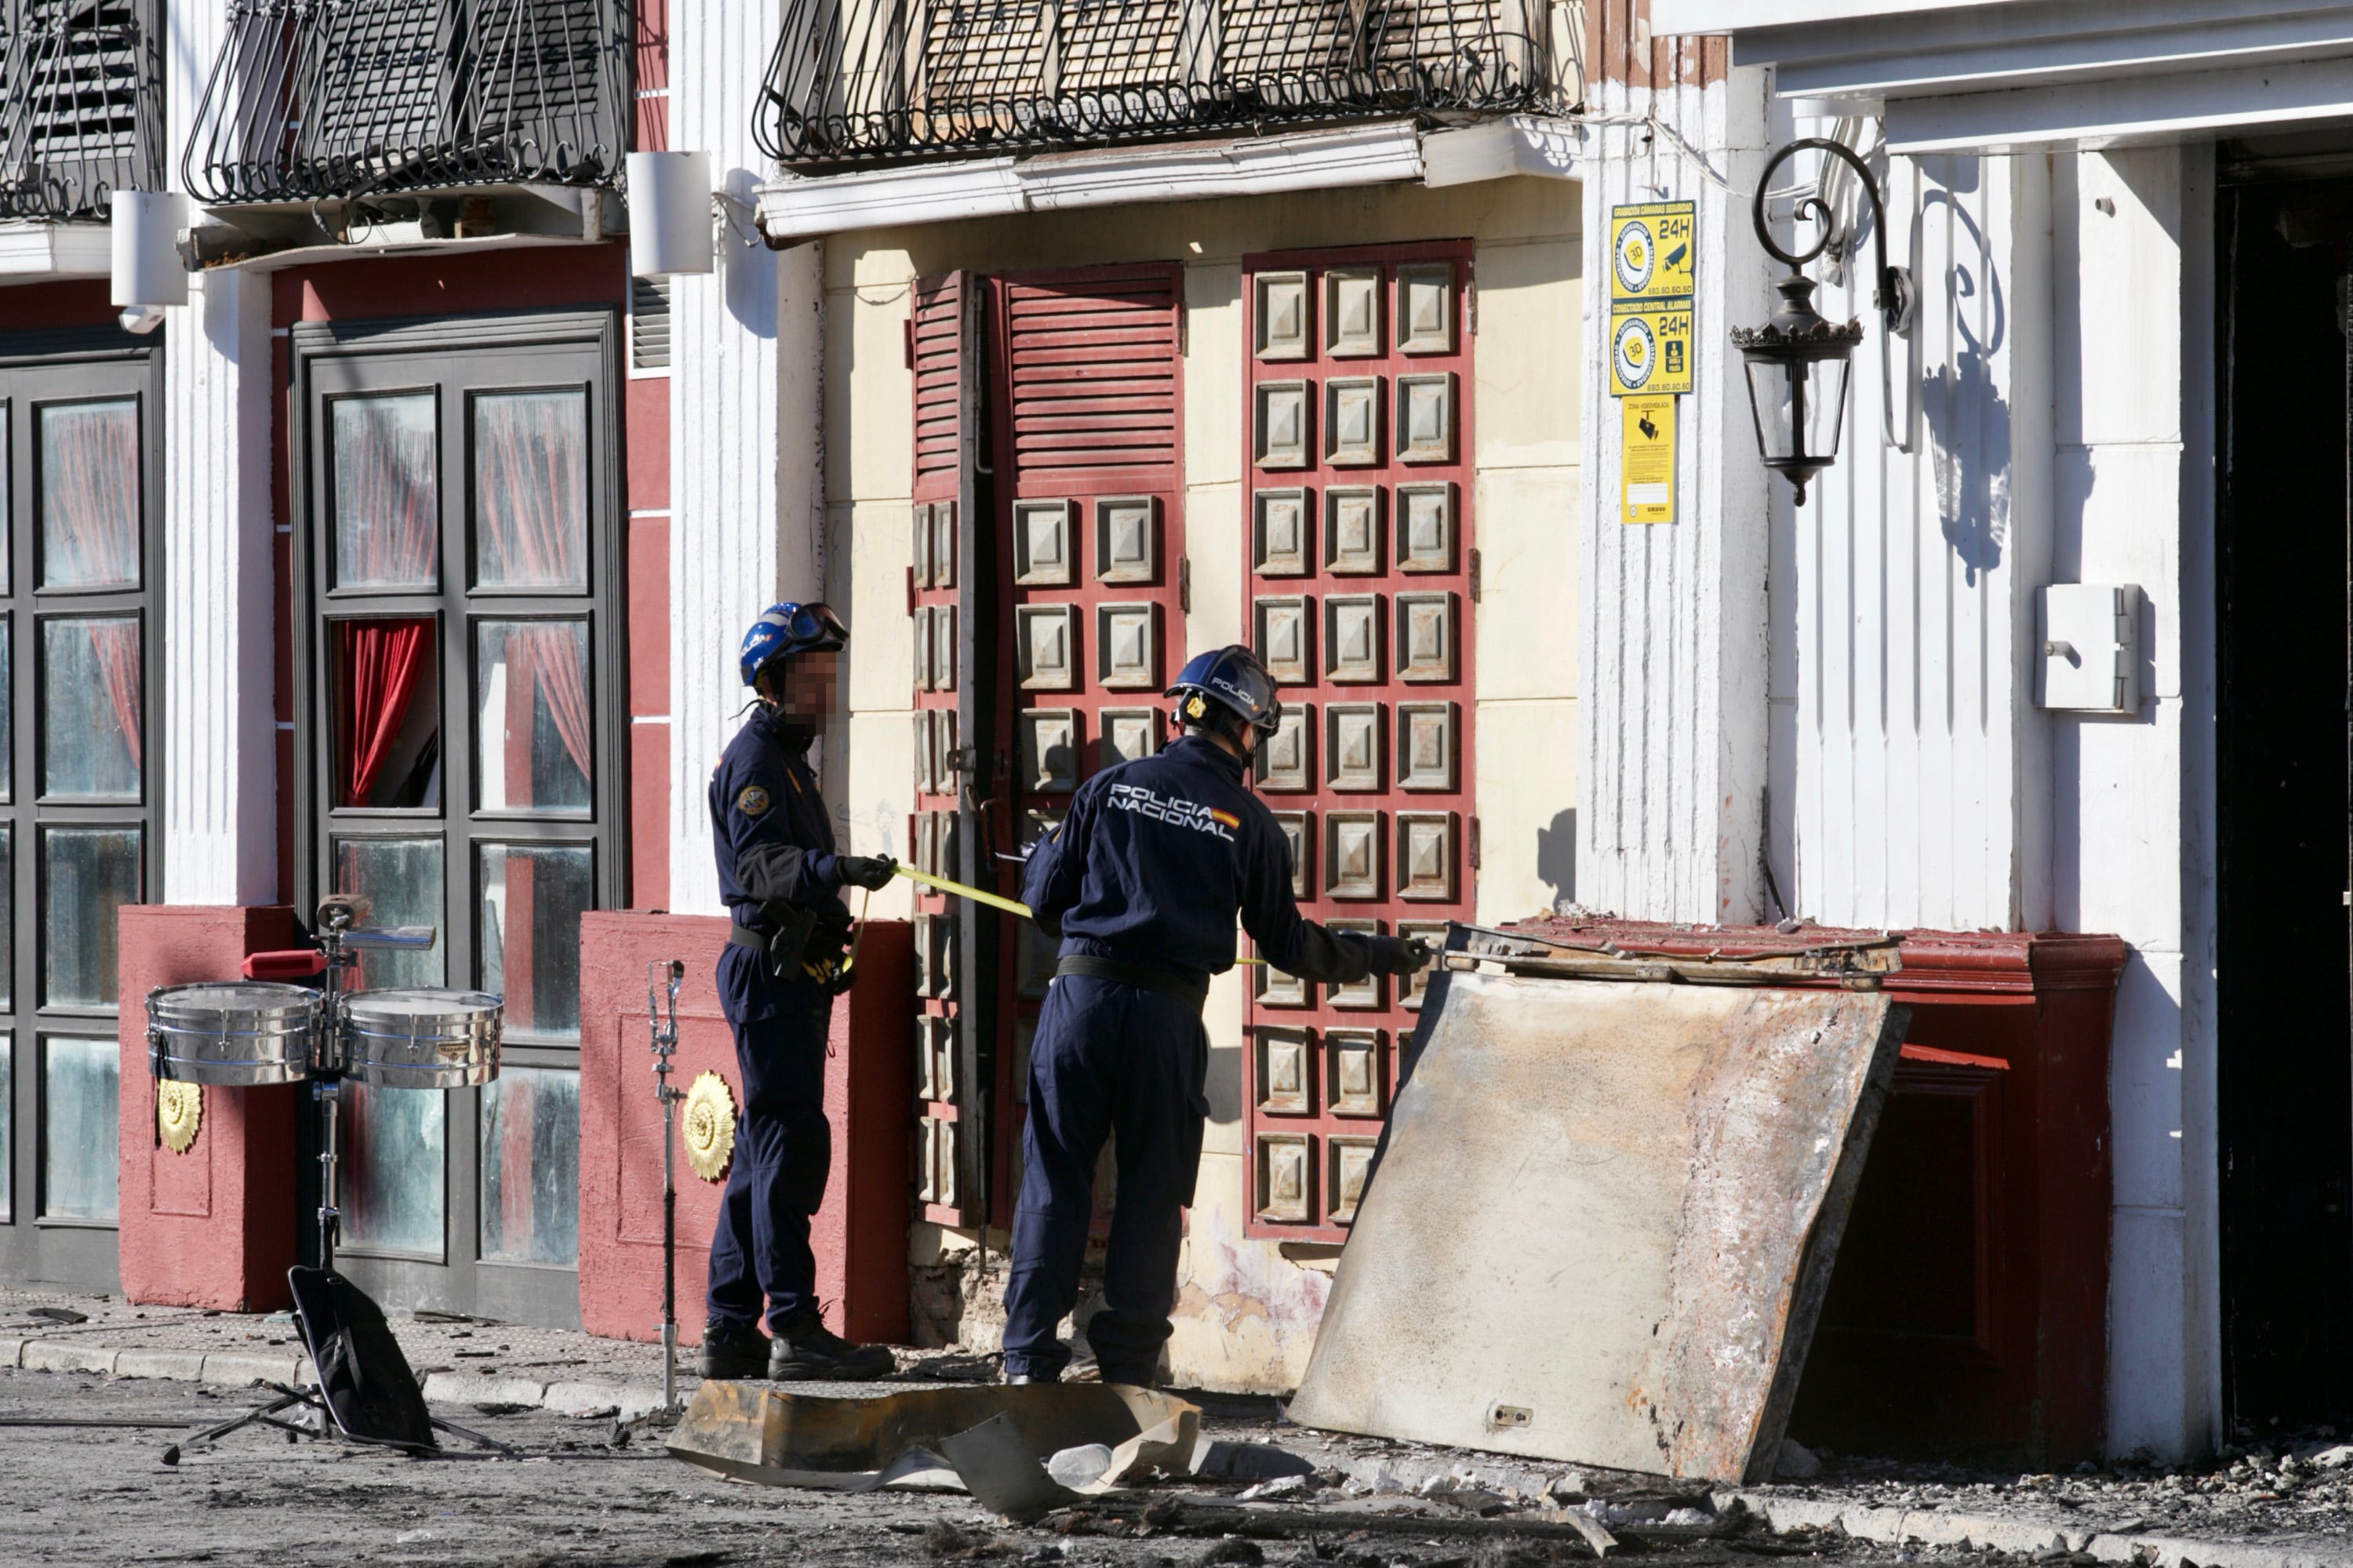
665, 1041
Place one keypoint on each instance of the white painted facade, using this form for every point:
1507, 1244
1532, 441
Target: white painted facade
1671, 799
745, 347
2053, 422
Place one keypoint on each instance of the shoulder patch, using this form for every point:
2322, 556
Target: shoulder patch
752, 800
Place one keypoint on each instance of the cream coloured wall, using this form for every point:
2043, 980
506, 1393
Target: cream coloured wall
1246, 1315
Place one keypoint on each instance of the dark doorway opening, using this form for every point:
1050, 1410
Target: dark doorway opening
2285, 1052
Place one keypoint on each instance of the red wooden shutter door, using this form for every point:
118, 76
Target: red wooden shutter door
1090, 502
956, 1028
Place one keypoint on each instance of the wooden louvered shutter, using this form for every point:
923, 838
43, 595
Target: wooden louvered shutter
540, 75
954, 651
1089, 502
378, 86
84, 85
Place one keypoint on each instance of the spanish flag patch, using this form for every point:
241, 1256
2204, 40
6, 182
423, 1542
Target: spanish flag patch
1228, 818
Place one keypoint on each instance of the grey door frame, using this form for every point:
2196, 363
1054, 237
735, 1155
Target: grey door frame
459, 356
67, 365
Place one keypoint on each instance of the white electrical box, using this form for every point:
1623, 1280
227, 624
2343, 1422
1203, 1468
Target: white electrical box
2091, 648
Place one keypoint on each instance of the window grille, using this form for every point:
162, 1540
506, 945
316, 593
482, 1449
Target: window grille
82, 106
856, 80
322, 99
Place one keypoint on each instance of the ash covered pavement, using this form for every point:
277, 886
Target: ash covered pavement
593, 1490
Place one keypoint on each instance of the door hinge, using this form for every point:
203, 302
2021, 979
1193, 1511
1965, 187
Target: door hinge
1471, 307
910, 593
1183, 324
1470, 843
1185, 585
907, 341
1474, 576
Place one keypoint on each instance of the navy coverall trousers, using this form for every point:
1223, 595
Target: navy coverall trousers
1108, 1058
784, 1149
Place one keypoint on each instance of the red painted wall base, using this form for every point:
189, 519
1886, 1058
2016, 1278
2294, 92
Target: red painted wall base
859, 1237
214, 1226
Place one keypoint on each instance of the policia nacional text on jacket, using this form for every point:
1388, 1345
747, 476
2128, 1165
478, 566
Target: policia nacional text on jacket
1142, 883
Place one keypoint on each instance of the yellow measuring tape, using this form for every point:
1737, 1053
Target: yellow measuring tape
995, 901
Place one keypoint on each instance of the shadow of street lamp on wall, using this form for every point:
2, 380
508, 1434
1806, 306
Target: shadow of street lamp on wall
1798, 361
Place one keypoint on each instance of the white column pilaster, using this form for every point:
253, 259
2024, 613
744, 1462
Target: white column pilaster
1671, 764
727, 375
218, 765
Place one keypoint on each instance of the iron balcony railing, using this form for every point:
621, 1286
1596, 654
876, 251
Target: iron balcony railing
81, 106
316, 100
857, 80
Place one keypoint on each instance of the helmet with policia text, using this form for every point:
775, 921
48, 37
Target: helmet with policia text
786, 629
1232, 678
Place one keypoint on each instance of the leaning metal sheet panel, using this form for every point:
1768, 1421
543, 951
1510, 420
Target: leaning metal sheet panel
1604, 1222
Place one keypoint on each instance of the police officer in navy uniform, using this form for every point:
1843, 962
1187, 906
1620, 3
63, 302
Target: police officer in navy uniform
783, 962
1142, 883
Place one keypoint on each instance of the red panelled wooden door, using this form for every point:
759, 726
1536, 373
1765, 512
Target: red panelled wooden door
1359, 576
1046, 604
1088, 424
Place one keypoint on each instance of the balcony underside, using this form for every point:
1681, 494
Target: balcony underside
868, 81
799, 207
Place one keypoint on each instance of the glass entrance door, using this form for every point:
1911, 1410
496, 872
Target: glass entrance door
79, 556
463, 764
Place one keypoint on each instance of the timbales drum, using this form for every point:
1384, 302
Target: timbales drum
234, 1034
420, 1038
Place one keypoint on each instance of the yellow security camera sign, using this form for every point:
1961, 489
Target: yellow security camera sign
1651, 252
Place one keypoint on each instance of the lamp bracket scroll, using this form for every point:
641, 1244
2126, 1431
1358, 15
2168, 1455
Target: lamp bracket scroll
1894, 296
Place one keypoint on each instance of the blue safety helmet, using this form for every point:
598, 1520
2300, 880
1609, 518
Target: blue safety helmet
1233, 677
785, 629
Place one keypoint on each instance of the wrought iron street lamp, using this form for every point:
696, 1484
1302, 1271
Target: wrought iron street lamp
1797, 362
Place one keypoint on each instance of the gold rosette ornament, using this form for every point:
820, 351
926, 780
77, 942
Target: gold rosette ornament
709, 1126
179, 1112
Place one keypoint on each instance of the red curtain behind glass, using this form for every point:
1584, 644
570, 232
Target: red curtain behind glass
377, 664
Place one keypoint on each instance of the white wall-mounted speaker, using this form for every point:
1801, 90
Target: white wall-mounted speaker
146, 233
670, 214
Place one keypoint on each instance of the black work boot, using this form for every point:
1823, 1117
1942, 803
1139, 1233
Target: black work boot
1141, 1375
806, 1350
731, 1351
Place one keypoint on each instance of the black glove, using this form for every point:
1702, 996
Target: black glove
1397, 955
867, 871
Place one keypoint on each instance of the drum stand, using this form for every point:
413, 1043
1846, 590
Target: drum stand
337, 919
665, 1041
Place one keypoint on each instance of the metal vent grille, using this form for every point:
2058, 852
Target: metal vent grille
649, 323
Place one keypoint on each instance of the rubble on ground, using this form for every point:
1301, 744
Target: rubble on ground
2298, 1485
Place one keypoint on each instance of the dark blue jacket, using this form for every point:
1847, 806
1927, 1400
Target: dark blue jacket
773, 839
1157, 856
